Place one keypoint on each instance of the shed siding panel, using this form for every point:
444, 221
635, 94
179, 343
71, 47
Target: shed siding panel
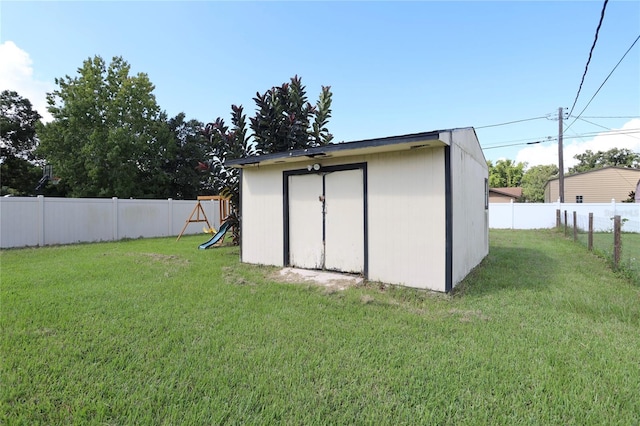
598, 186
406, 218
262, 215
470, 218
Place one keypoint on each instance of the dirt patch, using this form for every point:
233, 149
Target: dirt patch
332, 281
468, 316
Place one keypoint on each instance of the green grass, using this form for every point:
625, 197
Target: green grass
159, 332
630, 254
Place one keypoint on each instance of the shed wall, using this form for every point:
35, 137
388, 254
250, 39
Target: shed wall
262, 215
406, 215
470, 213
406, 218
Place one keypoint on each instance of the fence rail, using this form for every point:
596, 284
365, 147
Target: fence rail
41, 221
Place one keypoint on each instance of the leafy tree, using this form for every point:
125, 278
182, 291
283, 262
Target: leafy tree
285, 120
190, 147
505, 173
614, 157
18, 141
18, 122
107, 137
534, 181
229, 144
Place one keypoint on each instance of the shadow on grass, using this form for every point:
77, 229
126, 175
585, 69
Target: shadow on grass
509, 268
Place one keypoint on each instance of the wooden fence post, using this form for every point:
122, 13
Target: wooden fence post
617, 245
575, 226
590, 244
558, 220
565, 223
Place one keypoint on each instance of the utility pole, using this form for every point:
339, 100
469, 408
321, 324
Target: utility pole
560, 157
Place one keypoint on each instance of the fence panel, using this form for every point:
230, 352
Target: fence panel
39, 221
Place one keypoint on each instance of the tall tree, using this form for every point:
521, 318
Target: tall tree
105, 139
18, 142
285, 119
505, 173
190, 148
229, 144
534, 181
589, 160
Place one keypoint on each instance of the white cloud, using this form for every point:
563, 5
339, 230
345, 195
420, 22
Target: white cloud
16, 73
626, 137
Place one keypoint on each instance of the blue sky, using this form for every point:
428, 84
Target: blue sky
394, 67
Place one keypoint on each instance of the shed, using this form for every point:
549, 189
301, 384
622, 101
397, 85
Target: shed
409, 210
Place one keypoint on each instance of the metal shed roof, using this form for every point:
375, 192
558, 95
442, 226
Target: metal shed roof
368, 146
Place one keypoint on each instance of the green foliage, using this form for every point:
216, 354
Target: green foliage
229, 144
18, 141
534, 181
283, 119
108, 137
505, 173
18, 122
614, 157
189, 147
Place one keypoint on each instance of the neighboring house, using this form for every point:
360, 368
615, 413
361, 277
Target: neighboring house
505, 195
594, 186
409, 210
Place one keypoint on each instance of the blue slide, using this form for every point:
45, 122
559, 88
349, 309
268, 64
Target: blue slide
217, 237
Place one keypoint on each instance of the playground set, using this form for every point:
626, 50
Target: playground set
198, 215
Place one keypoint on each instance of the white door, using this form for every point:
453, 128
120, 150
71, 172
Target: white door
305, 221
344, 221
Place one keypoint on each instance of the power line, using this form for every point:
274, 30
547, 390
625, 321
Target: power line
611, 116
605, 80
586, 68
510, 122
533, 141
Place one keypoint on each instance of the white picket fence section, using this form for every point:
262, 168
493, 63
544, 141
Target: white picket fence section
42, 221
543, 215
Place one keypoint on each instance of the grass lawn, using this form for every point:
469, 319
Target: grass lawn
630, 255
159, 332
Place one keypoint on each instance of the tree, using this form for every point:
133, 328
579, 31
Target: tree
505, 173
534, 181
614, 157
190, 150
229, 144
283, 119
18, 141
107, 137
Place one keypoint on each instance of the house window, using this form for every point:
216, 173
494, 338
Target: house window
578, 198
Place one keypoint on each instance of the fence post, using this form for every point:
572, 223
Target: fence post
558, 219
617, 244
590, 243
565, 223
575, 226
114, 212
512, 213
41, 220
170, 224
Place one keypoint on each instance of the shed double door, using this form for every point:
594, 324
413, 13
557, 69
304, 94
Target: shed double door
326, 221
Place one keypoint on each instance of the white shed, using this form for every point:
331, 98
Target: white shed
409, 210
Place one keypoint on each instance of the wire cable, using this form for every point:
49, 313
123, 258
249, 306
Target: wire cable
586, 68
509, 122
605, 80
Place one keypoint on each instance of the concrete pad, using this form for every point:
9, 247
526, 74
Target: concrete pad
328, 279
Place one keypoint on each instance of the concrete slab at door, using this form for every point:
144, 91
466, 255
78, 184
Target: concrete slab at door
344, 221
305, 221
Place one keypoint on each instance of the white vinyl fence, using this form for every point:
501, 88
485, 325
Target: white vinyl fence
543, 215
41, 221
